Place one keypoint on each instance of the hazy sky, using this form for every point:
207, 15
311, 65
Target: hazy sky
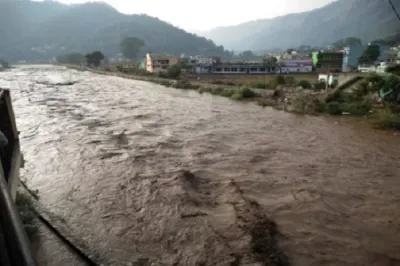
206, 14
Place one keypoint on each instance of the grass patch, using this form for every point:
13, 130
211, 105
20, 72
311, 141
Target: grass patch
25, 207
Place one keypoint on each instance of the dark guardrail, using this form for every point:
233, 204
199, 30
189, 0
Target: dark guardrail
15, 247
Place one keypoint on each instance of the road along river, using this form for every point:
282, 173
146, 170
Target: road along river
150, 174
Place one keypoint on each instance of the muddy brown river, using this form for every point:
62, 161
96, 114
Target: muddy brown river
159, 176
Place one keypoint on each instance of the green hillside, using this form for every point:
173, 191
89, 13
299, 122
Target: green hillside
41, 30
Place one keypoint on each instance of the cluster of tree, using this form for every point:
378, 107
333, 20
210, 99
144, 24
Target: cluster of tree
347, 42
270, 61
94, 58
47, 27
370, 55
246, 55
131, 46
4, 64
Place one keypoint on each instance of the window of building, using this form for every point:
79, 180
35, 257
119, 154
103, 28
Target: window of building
226, 69
242, 69
253, 69
218, 69
262, 69
234, 69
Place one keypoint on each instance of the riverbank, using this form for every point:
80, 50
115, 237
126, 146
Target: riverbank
357, 97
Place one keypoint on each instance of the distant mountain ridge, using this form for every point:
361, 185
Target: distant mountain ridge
32, 30
365, 19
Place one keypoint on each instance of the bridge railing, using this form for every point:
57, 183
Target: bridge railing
15, 247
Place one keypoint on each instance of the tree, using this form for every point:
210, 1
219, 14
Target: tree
270, 61
346, 42
94, 59
370, 55
174, 72
131, 46
247, 55
4, 64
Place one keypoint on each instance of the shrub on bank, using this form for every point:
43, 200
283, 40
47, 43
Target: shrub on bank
290, 80
25, 207
304, 84
184, 84
333, 96
259, 85
278, 80
305, 103
319, 86
243, 93
355, 108
386, 120
333, 108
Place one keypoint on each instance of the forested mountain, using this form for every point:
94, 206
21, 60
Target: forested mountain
365, 19
32, 30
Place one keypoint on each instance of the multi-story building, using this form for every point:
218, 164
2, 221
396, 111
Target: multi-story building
159, 63
328, 61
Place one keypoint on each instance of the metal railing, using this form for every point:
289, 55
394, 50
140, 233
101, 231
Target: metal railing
15, 247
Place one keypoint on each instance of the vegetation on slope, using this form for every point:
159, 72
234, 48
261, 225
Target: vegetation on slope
42, 30
367, 20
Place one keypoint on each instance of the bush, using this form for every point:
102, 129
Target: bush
174, 72
304, 84
25, 207
333, 108
242, 93
386, 120
305, 103
227, 93
290, 80
333, 96
259, 85
165, 83
203, 90
4, 64
393, 69
355, 108
184, 84
280, 80
321, 85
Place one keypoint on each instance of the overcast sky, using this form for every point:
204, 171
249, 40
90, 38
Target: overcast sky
206, 14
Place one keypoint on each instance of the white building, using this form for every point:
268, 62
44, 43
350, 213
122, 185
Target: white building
302, 65
203, 64
243, 68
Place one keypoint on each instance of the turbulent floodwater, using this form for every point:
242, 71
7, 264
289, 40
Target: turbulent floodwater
148, 173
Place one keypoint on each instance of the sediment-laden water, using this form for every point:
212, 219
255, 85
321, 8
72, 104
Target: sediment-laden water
157, 175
